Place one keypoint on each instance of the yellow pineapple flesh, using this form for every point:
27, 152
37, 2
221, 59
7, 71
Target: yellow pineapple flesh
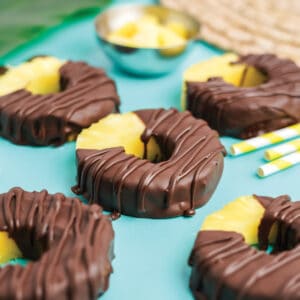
178, 28
240, 75
147, 32
39, 76
8, 248
242, 215
118, 130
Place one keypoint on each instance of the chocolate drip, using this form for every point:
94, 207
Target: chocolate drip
86, 96
225, 267
245, 112
70, 242
133, 186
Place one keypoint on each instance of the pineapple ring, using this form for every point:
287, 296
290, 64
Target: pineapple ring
40, 75
239, 75
243, 215
244, 96
46, 101
70, 246
226, 267
185, 162
106, 134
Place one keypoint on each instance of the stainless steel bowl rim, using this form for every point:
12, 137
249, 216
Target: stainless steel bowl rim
140, 6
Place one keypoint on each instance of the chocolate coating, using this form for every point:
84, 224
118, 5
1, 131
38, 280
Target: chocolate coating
137, 187
225, 267
70, 243
247, 112
86, 95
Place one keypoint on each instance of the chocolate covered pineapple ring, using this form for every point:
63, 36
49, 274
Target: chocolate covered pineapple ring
225, 267
47, 102
184, 171
248, 105
70, 245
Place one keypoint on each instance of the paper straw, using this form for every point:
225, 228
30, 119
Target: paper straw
261, 141
279, 164
282, 150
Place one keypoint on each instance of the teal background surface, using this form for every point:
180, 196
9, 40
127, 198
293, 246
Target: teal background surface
151, 255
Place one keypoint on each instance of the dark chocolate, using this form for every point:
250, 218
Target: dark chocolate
3, 70
70, 243
225, 267
183, 181
86, 95
246, 112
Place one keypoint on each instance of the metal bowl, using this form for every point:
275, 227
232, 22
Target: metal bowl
144, 61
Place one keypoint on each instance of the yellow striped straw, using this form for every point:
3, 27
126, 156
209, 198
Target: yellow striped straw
282, 150
266, 139
278, 165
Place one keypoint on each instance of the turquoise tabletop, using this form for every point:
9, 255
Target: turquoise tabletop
151, 255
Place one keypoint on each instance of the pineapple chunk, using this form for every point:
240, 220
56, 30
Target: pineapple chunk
127, 31
147, 32
8, 248
118, 130
242, 215
168, 37
149, 19
221, 66
39, 76
178, 28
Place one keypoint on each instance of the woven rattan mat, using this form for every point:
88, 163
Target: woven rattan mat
247, 26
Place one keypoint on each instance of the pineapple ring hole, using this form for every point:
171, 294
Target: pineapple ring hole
40, 75
121, 130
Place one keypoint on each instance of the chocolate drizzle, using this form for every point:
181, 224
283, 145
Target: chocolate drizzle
225, 267
86, 95
245, 112
138, 187
70, 242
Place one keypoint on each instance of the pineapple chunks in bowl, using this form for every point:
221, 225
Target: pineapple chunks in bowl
146, 40
148, 32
